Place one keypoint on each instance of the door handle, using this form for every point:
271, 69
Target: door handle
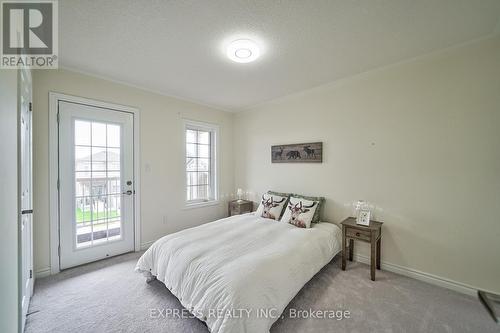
27, 211
129, 192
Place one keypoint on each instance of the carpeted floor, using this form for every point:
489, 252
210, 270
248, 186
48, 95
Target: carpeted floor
108, 296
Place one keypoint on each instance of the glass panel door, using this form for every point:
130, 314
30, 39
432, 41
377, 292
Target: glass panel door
96, 195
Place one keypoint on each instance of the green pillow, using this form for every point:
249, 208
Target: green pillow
286, 195
321, 202
280, 194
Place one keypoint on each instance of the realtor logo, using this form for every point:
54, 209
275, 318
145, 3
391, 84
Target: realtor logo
29, 34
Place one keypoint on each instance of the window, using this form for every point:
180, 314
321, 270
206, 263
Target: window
97, 182
201, 166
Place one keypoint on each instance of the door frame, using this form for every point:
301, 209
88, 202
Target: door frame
54, 98
22, 283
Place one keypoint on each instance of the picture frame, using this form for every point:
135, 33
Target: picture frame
363, 218
311, 152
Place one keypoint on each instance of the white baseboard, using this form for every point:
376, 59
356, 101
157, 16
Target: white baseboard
422, 276
42, 272
146, 245
409, 272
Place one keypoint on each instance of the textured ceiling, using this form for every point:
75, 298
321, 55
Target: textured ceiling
177, 47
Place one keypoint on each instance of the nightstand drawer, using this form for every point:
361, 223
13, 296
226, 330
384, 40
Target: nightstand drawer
235, 210
358, 234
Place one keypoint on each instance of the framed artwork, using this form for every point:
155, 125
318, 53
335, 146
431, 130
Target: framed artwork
363, 217
298, 153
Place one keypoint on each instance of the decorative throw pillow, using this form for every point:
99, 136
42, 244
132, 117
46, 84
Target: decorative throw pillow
271, 206
300, 212
281, 194
321, 202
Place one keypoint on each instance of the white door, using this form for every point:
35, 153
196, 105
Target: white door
25, 173
96, 183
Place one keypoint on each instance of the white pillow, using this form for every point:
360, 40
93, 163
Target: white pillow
299, 212
271, 206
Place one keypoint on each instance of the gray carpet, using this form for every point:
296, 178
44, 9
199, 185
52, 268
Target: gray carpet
108, 296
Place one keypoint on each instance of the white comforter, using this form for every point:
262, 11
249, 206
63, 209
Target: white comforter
238, 274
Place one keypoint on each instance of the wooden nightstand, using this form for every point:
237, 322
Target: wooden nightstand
371, 234
237, 207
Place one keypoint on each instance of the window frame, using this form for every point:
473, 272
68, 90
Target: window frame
214, 165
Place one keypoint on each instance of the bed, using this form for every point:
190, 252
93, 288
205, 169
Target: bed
239, 273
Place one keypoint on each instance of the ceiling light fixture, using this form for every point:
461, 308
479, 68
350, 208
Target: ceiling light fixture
243, 51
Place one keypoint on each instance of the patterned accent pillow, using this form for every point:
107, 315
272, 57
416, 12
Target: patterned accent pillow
300, 212
271, 206
321, 203
281, 194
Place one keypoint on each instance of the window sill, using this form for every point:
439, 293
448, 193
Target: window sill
202, 204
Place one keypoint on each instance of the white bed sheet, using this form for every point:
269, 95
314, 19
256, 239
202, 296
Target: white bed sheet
239, 273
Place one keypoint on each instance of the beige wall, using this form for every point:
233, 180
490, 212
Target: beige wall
161, 149
420, 139
8, 202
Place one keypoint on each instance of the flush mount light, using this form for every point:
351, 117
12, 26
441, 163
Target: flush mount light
243, 50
